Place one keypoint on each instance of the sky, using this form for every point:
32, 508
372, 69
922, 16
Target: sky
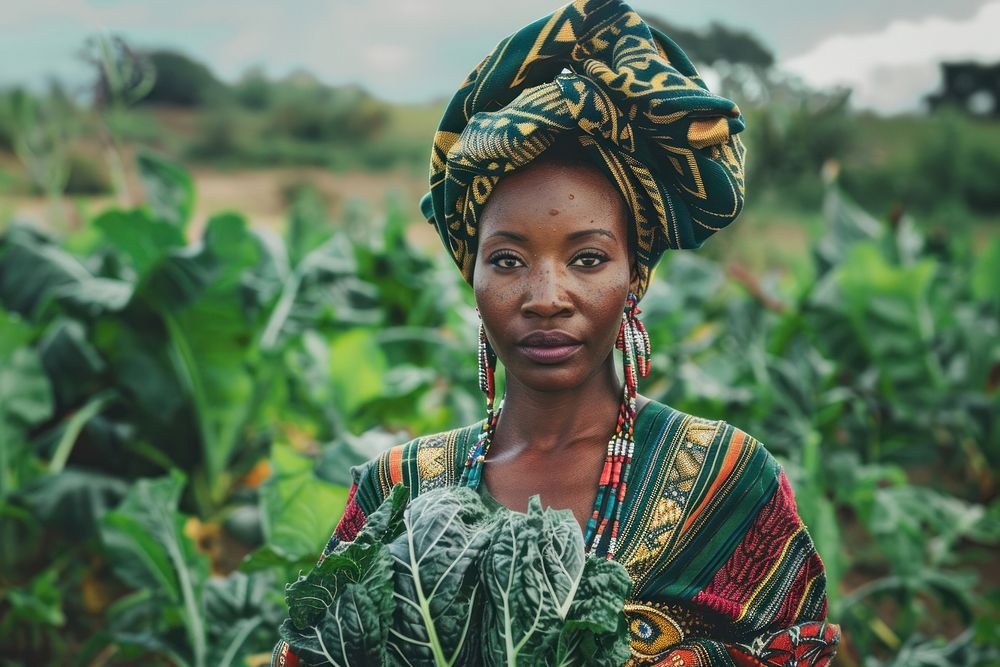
417, 50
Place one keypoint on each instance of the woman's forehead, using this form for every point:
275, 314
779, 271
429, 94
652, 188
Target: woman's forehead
554, 198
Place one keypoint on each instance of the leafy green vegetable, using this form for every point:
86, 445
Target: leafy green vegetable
437, 587
342, 610
446, 583
543, 597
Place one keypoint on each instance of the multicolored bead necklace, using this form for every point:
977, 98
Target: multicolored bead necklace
634, 344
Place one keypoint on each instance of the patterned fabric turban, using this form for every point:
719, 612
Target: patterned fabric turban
641, 112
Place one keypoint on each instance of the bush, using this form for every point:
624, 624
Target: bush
788, 144
254, 91
951, 162
182, 81
219, 136
347, 115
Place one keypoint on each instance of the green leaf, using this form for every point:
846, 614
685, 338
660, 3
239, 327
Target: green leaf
985, 284
537, 604
168, 187
32, 268
299, 509
145, 542
341, 612
39, 602
439, 596
74, 499
142, 240
354, 610
596, 631
72, 362
271, 556
360, 381
25, 392
25, 400
237, 608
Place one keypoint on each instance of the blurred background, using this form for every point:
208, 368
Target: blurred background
217, 294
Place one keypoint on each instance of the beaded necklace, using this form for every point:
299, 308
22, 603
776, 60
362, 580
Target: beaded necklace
634, 344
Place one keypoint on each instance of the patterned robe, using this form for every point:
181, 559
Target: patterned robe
723, 570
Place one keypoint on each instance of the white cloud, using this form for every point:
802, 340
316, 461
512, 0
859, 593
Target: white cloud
890, 70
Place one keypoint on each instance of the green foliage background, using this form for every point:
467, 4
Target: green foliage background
179, 410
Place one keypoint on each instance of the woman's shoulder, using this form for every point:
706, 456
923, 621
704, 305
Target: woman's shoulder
661, 421
712, 454
421, 464
703, 483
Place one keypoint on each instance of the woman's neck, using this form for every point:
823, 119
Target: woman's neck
539, 423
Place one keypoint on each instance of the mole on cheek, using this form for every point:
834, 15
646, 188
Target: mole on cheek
553, 211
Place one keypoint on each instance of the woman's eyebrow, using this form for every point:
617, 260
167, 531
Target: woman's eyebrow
510, 235
591, 232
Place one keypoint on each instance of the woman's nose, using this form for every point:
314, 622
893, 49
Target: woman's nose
546, 294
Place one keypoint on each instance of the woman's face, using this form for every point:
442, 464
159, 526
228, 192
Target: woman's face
552, 274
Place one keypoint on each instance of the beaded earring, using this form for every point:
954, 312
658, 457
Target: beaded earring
473, 470
633, 341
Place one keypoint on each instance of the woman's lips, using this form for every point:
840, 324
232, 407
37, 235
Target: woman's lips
549, 354
548, 347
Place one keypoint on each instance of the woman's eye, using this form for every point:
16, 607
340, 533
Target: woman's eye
589, 259
505, 261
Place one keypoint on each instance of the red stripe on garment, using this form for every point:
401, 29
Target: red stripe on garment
353, 520
755, 557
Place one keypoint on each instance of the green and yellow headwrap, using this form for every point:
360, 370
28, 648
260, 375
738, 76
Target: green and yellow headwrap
641, 112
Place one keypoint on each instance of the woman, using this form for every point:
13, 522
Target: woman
556, 193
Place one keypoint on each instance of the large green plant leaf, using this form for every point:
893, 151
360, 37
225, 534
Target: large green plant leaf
439, 596
184, 353
534, 570
985, 284
71, 361
74, 499
32, 267
595, 631
299, 510
239, 615
529, 592
322, 287
142, 240
341, 612
145, 542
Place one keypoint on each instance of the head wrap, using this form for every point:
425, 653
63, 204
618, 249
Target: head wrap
641, 112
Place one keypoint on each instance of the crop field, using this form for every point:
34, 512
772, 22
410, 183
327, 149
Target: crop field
208, 314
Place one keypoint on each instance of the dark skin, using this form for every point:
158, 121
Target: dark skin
553, 258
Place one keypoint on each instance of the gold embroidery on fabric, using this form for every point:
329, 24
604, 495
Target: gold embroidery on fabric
706, 132
651, 630
673, 493
429, 461
435, 460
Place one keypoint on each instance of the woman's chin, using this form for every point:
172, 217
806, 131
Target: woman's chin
548, 378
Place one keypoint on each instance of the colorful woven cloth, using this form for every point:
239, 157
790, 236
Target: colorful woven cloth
723, 570
641, 113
